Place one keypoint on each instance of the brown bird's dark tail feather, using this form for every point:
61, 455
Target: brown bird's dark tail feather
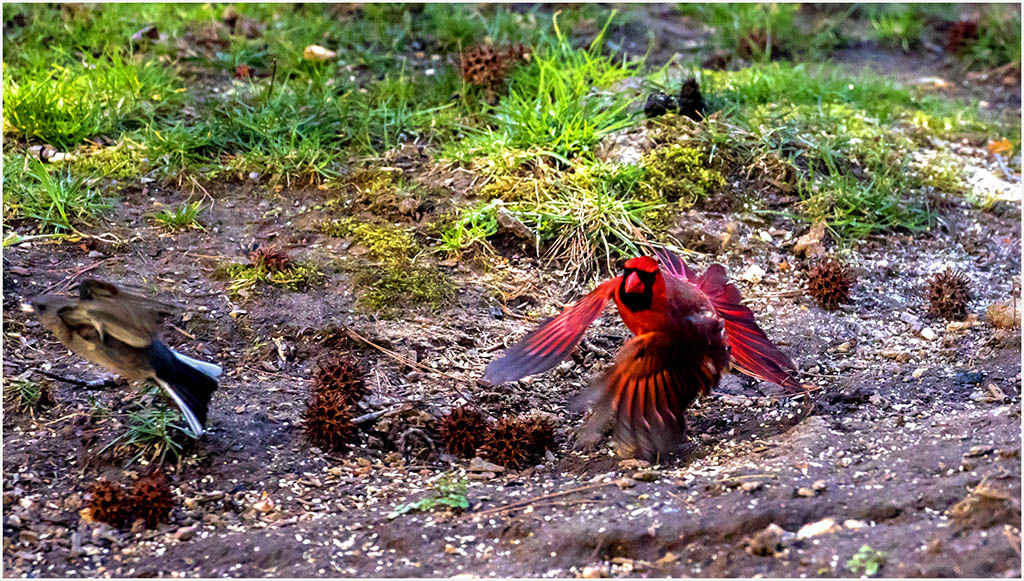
189, 383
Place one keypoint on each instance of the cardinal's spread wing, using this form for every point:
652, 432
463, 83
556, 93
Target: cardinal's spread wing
672, 264
553, 341
752, 352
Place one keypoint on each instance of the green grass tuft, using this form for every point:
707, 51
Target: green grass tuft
25, 396
559, 105
896, 25
58, 203
67, 104
763, 31
470, 228
150, 435
182, 218
849, 144
998, 43
588, 218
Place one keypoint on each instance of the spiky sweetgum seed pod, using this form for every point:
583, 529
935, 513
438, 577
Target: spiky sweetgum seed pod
542, 435
479, 65
829, 283
270, 257
338, 374
948, 295
108, 503
328, 421
485, 66
152, 500
462, 431
960, 35
508, 442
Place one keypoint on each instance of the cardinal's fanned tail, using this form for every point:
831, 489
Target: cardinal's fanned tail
644, 396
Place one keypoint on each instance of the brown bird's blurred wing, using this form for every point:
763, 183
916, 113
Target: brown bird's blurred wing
128, 316
656, 376
92, 289
553, 341
752, 352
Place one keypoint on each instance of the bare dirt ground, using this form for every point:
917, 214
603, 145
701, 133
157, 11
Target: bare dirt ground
910, 446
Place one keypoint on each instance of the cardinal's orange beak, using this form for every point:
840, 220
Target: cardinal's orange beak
633, 284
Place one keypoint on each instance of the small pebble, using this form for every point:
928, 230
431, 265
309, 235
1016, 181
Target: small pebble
625, 483
928, 334
185, 533
647, 475
978, 451
478, 464
753, 274
970, 377
822, 527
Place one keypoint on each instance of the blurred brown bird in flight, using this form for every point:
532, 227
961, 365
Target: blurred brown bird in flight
116, 328
688, 328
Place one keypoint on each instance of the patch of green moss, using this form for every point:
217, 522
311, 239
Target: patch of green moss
677, 172
298, 277
372, 182
394, 246
386, 292
513, 188
121, 161
399, 281
940, 170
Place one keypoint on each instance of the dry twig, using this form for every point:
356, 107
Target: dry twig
535, 500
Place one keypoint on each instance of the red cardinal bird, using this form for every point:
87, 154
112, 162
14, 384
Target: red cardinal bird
687, 329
